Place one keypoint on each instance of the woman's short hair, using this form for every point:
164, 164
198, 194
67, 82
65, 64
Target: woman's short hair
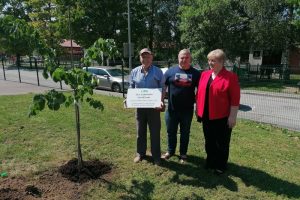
218, 54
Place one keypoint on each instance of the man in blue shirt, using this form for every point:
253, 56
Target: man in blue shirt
181, 81
147, 76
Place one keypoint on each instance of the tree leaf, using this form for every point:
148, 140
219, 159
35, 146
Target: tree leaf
95, 104
58, 74
39, 102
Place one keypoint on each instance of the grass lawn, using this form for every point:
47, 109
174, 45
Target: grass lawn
264, 160
272, 86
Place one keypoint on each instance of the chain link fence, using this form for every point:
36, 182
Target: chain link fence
269, 93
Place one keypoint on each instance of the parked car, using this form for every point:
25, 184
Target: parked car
109, 77
164, 69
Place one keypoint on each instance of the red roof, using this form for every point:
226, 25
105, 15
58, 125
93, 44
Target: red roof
67, 43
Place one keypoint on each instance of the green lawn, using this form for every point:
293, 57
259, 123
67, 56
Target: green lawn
264, 160
272, 85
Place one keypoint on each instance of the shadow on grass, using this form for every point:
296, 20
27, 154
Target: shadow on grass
194, 174
138, 190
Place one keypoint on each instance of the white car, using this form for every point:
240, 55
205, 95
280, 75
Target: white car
109, 78
164, 69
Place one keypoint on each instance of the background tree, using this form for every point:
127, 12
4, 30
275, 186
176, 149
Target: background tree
43, 18
90, 20
154, 22
207, 25
17, 37
155, 25
16, 8
102, 50
235, 26
293, 17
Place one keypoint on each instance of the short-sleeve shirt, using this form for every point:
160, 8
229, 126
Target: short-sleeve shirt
153, 79
181, 87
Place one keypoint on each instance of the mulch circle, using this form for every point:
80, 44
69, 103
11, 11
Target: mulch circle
63, 183
93, 169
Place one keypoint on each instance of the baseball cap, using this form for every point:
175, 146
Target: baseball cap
145, 50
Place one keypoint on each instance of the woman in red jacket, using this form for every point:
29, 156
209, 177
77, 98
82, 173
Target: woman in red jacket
218, 100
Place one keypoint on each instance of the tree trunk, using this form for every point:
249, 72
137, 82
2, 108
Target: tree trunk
107, 62
79, 154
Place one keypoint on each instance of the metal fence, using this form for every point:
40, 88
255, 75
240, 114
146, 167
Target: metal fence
270, 94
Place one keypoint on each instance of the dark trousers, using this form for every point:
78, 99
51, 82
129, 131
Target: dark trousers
217, 139
183, 119
150, 117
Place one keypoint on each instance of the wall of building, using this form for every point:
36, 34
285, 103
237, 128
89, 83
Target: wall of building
294, 60
255, 57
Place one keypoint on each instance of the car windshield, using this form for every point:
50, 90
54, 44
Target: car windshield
116, 72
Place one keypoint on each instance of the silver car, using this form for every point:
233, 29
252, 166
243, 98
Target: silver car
109, 77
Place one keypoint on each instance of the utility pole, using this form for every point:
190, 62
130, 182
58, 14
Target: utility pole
70, 36
129, 38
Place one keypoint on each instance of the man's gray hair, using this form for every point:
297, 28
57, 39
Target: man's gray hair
184, 51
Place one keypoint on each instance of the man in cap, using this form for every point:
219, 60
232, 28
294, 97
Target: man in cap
147, 76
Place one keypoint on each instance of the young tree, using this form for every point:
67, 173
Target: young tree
81, 83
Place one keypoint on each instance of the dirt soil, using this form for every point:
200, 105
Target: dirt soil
61, 183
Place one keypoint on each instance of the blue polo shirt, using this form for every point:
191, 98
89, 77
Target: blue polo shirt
153, 79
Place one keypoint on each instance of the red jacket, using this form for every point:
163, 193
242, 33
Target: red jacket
224, 92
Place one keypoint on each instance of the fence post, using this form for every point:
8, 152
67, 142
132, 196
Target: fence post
37, 71
19, 73
256, 72
30, 62
248, 71
3, 67
123, 82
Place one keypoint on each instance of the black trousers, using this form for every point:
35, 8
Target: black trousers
217, 140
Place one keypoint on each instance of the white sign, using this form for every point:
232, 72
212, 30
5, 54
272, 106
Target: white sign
143, 98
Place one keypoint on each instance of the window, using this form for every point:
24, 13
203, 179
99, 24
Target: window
101, 72
256, 54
